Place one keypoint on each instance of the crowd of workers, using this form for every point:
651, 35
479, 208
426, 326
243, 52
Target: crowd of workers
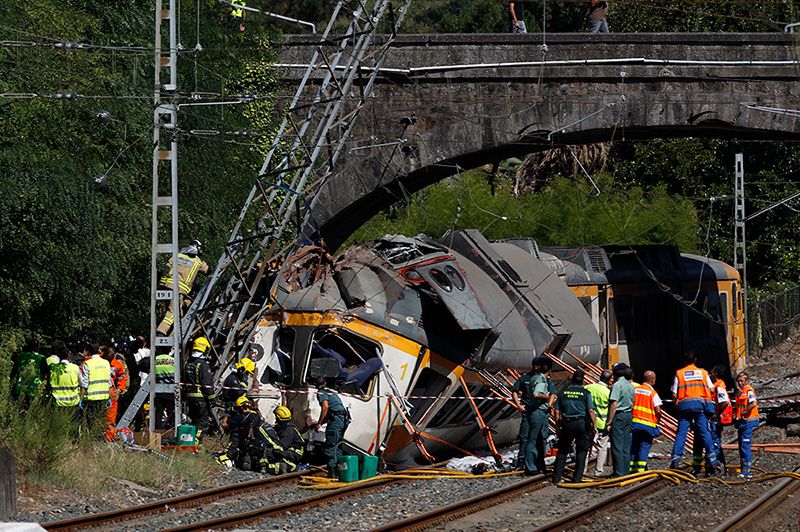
596, 16
89, 381
623, 416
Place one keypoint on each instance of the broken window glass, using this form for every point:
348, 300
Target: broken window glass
280, 369
353, 361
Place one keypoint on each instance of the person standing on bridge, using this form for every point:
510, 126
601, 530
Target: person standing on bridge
516, 22
596, 18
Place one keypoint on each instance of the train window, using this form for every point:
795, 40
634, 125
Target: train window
612, 323
454, 276
441, 279
734, 301
430, 383
723, 305
279, 368
624, 311
448, 408
353, 360
586, 301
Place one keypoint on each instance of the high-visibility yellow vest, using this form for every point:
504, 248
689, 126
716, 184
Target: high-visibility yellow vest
188, 268
238, 11
65, 384
99, 375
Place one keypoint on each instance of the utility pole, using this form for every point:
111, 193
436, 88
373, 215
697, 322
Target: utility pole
165, 149
739, 242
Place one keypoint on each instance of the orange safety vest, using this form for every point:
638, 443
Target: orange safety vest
644, 411
741, 404
692, 384
726, 416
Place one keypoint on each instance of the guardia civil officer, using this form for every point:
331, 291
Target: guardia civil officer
535, 406
575, 420
520, 390
335, 417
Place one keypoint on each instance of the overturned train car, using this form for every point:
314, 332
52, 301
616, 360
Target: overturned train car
651, 303
420, 333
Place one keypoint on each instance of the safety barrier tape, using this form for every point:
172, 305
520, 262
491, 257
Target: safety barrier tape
354, 395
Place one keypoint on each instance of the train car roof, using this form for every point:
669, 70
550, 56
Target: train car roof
627, 264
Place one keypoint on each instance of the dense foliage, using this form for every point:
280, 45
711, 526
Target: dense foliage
74, 254
566, 213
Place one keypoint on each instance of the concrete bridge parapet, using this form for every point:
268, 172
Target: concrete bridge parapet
446, 102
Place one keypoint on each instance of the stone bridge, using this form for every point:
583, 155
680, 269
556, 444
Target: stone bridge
449, 102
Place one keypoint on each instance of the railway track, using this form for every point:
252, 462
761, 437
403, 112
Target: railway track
467, 506
750, 515
623, 498
296, 506
163, 505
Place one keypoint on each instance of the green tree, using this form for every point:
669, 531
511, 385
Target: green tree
566, 213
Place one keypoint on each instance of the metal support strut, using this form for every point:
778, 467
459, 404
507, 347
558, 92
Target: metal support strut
485, 429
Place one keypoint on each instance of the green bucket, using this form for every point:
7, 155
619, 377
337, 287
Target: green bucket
348, 468
369, 467
187, 435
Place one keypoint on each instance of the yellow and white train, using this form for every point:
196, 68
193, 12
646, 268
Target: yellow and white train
424, 336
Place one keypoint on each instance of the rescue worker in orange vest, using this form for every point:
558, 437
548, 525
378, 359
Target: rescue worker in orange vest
723, 414
119, 385
745, 420
189, 266
691, 390
95, 381
646, 416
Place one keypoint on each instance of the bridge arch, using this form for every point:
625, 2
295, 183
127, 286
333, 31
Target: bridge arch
455, 101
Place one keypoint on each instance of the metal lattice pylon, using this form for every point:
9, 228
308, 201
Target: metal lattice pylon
303, 154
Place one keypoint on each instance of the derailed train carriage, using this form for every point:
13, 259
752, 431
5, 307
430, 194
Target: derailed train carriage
418, 320
421, 334
652, 303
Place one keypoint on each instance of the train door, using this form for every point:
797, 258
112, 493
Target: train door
612, 330
737, 343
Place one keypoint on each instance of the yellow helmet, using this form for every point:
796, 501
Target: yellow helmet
283, 413
248, 365
201, 344
241, 401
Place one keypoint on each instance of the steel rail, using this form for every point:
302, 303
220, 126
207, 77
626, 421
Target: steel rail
748, 516
637, 491
296, 506
163, 505
466, 507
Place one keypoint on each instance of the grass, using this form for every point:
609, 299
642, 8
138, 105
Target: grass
49, 452
93, 470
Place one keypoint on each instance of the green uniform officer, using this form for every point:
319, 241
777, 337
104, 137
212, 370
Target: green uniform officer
575, 421
337, 418
620, 419
520, 390
537, 412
